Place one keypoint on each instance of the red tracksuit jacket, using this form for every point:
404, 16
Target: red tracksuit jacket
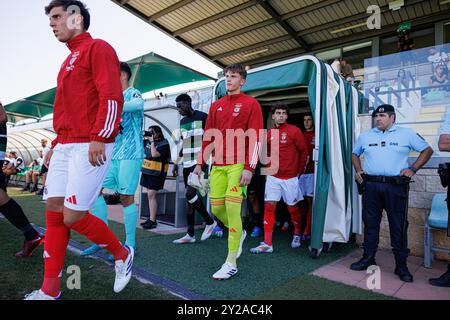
293, 151
89, 99
234, 112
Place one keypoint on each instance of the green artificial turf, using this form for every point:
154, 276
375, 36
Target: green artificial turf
21, 276
281, 275
193, 265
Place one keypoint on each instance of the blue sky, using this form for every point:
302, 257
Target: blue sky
30, 56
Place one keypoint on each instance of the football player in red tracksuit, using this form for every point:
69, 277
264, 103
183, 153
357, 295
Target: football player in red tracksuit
293, 154
307, 180
87, 110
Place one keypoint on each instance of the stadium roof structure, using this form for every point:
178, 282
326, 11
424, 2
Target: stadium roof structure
150, 72
255, 32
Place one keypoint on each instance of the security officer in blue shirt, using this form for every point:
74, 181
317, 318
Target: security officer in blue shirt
385, 180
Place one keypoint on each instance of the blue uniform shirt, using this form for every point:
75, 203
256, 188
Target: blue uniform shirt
129, 144
386, 153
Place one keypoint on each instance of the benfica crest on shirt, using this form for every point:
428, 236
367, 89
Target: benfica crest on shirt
70, 67
237, 109
283, 137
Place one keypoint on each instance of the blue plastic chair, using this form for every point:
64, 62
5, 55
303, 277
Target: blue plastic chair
437, 220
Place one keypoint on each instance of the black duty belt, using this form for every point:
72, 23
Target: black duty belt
385, 179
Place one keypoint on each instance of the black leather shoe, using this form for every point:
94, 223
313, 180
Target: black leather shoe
146, 222
149, 224
442, 281
403, 273
365, 262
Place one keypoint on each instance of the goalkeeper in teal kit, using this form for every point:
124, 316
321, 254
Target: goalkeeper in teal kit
128, 154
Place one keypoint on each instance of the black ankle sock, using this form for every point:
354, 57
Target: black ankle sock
14, 214
29, 232
221, 225
255, 221
200, 207
190, 219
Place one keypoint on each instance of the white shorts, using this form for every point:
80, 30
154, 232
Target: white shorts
306, 182
72, 177
288, 189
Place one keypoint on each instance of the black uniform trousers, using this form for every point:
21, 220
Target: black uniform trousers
394, 199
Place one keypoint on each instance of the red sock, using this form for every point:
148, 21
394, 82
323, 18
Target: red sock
269, 222
308, 222
98, 232
55, 245
296, 219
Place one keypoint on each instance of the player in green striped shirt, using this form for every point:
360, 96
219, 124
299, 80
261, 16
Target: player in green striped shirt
192, 128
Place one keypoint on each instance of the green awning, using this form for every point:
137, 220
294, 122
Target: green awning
36, 106
150, 72
279, 77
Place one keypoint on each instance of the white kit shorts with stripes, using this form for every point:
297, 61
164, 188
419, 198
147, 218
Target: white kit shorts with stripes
71, 176
289, 189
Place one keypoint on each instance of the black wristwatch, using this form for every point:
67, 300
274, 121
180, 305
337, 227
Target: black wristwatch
413, 169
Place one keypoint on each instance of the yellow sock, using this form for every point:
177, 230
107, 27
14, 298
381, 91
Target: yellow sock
219, 209
232, 258
233, 210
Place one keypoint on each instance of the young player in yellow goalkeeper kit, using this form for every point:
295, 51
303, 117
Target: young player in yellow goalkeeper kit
233, 162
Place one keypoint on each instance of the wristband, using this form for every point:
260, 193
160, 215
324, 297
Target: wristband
413, 169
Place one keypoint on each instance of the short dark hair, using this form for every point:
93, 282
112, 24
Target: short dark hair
236, 68
124, 67
66, 4
184, 98
279, 107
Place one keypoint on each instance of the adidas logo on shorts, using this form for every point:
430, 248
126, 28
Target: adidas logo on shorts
72, 200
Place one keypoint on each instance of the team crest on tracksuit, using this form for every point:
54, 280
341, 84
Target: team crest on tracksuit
75, 56
237, 109
284, 137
